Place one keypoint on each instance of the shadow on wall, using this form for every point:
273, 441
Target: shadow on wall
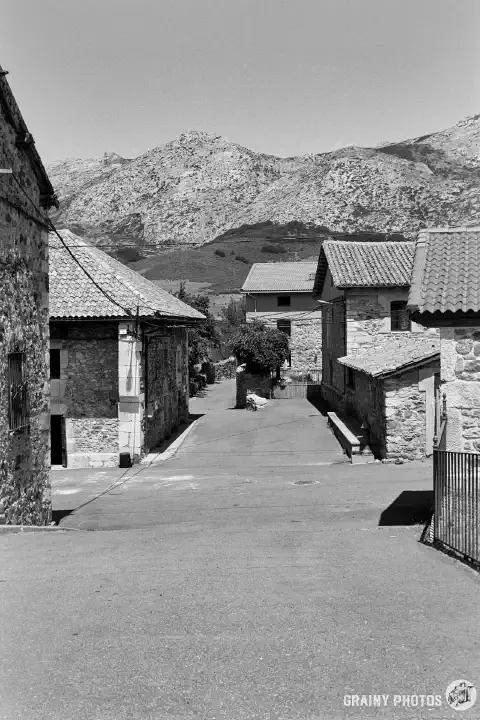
319, 403
411, 507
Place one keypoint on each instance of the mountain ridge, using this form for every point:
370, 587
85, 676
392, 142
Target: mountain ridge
199, 186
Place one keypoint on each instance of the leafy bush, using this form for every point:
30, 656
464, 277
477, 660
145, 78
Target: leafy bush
261, 349
276, 249
220, 253
242, 259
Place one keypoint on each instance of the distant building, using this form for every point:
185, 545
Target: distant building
118, 358
445, 294
280, 296
25, 196
379, 367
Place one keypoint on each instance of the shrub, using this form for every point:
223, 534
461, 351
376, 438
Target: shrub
261, 349
276, 249
220, 253
242, 259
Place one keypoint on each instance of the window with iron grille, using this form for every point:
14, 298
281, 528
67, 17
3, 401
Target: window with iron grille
285, 326
400, 317
17, 392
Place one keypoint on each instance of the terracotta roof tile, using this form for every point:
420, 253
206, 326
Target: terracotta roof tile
446, 271
365, 264
280, 277
393, 353
74, 295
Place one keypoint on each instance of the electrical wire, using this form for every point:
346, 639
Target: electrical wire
53, 229
48, 224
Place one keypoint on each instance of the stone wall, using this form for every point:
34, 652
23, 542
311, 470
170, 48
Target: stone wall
365, 400
368, 315
409, 399
460, 376
334, 346
306, 334
24, 453
259, 384
167, 386
87, 392
398, 410
306, 344
405, 410
225, 369
365, 319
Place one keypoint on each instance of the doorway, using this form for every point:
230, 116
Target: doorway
58, 440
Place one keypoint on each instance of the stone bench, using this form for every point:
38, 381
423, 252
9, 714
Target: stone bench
351, 437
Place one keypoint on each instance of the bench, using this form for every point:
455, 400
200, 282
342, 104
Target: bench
351, 437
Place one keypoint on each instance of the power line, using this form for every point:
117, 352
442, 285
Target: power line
52, 227
54, 230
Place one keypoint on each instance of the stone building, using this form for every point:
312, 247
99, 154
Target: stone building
390, 389
280, 296
363, 287
25, 196
118, 358
445, 294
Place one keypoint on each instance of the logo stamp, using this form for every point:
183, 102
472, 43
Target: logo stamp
461, 695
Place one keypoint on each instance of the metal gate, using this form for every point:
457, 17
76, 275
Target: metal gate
298, 387
456, 522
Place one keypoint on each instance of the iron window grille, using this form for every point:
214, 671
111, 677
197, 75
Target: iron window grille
17, 392
285, 326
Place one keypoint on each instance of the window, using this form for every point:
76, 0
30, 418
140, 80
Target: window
17, 392
350, 379
285, 326
54, 364
283, 300
400, 317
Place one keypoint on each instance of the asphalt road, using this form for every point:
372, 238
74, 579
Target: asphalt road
217, 586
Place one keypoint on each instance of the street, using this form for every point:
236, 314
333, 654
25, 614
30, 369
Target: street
254, 575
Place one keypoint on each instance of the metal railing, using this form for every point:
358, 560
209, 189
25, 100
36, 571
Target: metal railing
301, 376
456, 521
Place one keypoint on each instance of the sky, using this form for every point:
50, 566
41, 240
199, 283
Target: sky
285, 77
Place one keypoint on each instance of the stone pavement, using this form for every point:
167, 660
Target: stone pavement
288, 432
241, 590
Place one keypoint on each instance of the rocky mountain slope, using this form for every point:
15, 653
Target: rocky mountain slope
199, 186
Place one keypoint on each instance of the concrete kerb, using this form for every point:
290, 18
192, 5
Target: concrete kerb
14, 529
154, 458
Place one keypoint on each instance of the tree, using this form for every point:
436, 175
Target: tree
202, 339
262, 349
232, 316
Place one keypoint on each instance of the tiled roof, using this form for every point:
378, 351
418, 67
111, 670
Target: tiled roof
74, 295
446, 271
365, 264
280, 277
393, 353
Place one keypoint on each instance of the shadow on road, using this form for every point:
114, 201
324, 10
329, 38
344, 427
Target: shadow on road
411, 507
